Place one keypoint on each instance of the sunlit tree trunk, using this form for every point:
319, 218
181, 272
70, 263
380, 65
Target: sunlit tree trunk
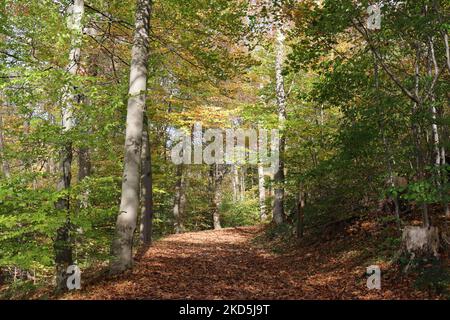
129, 203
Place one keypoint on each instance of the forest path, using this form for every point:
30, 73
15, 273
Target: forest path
227, 264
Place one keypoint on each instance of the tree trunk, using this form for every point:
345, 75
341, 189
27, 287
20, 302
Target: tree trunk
62, 245
261, 185
179, 201
416, 135
129, 203
243, 172
235, 183
218, 173
278, 208
147, 187
439, 161
262, 193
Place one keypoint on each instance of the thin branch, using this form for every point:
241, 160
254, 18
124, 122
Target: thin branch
391, 75
110, 17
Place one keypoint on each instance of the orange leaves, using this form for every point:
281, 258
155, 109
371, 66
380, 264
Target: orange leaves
226, 264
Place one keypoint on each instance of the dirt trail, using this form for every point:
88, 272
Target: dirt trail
226, 264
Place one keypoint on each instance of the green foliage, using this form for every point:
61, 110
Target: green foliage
28, 220
242, 213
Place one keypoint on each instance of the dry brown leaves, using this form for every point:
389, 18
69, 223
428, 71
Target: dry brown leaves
225, 264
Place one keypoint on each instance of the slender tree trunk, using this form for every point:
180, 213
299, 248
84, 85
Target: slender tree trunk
439, 161
261, 185
434, 127
243, 173
416, 132
62, 245
217, 173
262, 193
147, 187
278, 208
84, 153
122, 247
235, 183
179, 201
5, 164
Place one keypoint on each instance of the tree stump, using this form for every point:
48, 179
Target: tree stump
420, 242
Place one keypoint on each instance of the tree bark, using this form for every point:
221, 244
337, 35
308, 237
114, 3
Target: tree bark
147, 187
129, 204
62, 245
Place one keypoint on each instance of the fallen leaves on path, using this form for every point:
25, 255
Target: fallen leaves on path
226, 264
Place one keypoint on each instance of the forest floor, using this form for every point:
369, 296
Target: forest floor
244, 263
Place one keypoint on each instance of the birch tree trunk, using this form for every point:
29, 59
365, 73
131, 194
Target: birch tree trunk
147, 188
62, 245
278, 208
129, 202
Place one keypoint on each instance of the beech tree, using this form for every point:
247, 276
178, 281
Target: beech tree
122, 247
63, 245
